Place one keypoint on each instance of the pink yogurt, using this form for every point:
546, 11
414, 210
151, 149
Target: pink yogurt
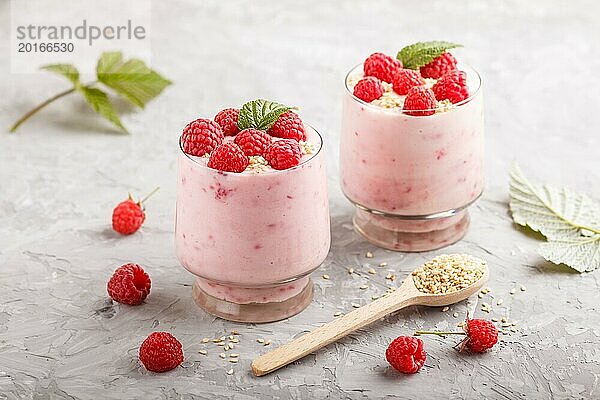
253, 237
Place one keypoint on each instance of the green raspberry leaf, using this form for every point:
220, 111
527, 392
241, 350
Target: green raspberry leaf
570, 221
419, 54
67, 70
260, 114
131, 79
99, 101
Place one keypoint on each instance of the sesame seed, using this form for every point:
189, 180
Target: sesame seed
513, 291
203, 352
375, 297
260, 340
205, 340
325, 276
448, 273
369, 254
235, 340
480, 295
523, 288
267, 342
503, 320
233, 360
355, 305
499, 302
363, 287
455, 315
230, 345
222, 338
350, 271
383, 264
231, 337
494, 319
372, 271
234, 355
217, 340
226, 348
222, 355
230, 372
337, 314
234, 333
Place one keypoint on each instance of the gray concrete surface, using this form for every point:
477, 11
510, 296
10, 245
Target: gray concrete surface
61, 338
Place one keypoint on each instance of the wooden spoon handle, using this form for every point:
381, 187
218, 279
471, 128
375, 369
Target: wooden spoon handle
332, 331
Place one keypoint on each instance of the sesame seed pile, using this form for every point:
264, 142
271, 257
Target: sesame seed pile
448, 273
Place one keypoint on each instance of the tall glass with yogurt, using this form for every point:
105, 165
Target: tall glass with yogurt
412, 178
252, 238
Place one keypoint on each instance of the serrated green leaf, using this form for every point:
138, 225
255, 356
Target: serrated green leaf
67, 70
99, 101
570, 221
260, 114
419, 54
131, 79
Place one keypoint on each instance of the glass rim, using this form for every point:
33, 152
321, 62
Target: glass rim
274, 171
399, 110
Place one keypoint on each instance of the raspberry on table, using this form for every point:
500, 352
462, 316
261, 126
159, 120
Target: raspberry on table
481, 335
161, 352
253, 142
368, 89
405, 79
452, 86
128, 216
129, 284
201, 136
381, 66
439, 66
288, 126
227, 120
406, 354
420, 101
228, 157
283, 154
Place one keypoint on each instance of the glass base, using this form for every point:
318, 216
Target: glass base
410, 235
255, 312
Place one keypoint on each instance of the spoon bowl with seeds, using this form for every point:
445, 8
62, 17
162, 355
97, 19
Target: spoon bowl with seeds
444, 280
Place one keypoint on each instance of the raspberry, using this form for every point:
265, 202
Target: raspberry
406, 79
161, 352
452, 86
253, 142
406, 354
228, 157
201, 137
128, 216
368, 89
481, 335
283, 154
129, 284
421, 100
381, 66
438, 67
227, 119
288, 126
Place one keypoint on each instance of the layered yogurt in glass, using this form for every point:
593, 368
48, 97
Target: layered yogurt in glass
412, 178
252, 238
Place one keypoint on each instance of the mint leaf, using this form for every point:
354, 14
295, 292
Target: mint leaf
99, 101
131, 79
260, 114
419, 54
569, 221
67, 70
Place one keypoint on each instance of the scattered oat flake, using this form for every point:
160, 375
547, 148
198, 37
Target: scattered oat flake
369, 254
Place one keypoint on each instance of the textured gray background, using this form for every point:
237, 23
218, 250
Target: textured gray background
60, 337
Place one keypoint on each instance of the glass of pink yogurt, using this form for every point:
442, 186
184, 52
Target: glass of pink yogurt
412, 177
252, 238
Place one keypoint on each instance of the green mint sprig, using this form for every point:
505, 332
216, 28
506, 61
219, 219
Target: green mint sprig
130, 79
419, 54
260, 114
569, 221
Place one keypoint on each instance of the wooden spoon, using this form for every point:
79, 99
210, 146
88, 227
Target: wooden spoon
406, 295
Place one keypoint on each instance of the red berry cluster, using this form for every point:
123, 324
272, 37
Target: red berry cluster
229, 148
450, 83
406, 353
